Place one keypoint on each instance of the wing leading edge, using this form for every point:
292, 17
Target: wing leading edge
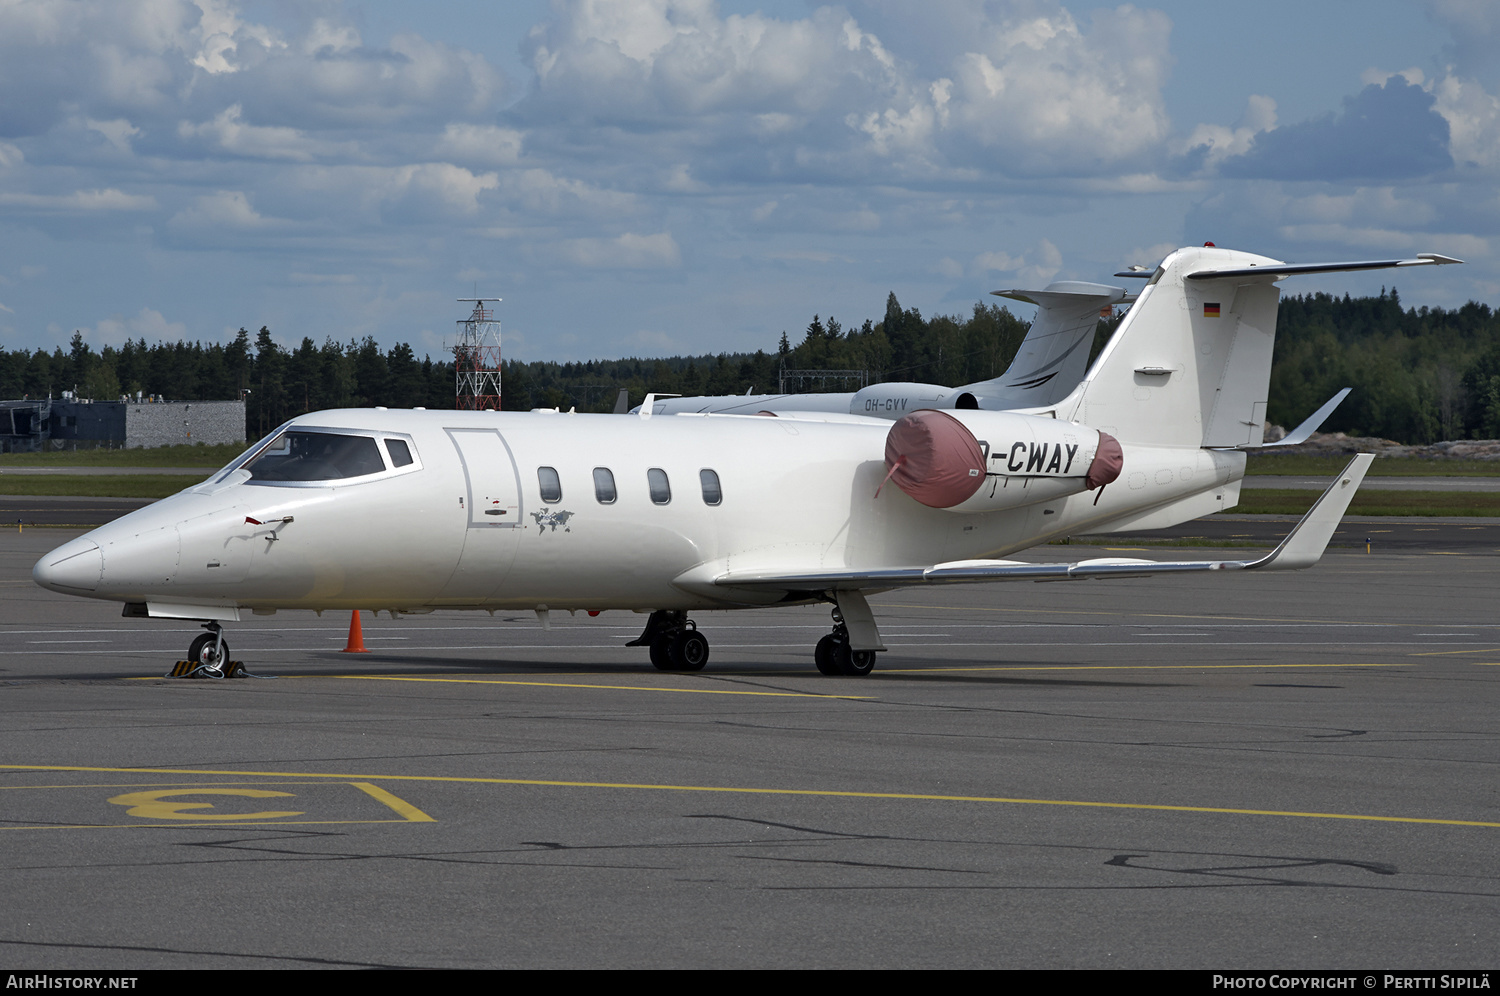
1303, 547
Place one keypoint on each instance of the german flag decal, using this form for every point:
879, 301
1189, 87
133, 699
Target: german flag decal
1210, 310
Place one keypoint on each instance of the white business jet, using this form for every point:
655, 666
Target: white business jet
1048, 364
411, 511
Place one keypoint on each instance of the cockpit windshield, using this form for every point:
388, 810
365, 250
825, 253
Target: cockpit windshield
303, 455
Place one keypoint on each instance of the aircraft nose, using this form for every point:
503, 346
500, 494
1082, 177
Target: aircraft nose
72, 567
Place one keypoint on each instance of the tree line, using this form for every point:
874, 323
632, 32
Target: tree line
1419, 374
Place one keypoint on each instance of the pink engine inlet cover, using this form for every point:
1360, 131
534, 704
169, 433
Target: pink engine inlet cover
934, 459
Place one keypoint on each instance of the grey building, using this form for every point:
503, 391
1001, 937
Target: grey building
56, 425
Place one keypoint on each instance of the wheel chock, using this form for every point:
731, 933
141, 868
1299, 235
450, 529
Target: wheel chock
188, 669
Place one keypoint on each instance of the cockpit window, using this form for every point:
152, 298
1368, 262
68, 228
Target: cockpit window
300, 455
399, 451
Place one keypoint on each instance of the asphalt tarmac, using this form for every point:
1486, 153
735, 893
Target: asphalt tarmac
1278, 771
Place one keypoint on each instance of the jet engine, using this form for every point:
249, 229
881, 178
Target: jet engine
982, 461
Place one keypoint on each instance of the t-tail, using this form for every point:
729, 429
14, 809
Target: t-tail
1190, 365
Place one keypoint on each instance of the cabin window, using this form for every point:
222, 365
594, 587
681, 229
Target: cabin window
661, 490
604, 486
300, 455
550, 484
712, 493
399, 452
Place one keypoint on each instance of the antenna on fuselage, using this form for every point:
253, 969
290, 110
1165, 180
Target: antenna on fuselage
476, 358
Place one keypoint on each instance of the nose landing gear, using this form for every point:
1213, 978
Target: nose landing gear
676, 644
208, 657
209, 651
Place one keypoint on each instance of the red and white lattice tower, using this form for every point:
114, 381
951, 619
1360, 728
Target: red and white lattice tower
476, 358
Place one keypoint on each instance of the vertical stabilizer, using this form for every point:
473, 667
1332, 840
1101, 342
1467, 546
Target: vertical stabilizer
1055, 352
1191, 363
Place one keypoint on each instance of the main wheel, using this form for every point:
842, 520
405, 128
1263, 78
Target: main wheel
661, 652
834, 657
857, 662
689, 650
825, 655
202, 651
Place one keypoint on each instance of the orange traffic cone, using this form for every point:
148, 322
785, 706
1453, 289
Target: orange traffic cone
356, 637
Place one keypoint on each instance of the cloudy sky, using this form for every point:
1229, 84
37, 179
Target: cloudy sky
671, 176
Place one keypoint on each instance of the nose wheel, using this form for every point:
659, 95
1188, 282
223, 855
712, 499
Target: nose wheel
208, 652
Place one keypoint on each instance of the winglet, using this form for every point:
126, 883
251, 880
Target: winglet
1305, 544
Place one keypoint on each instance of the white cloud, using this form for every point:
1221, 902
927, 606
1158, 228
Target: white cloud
1034, 268
441, 185
148, 324
1031, 91
118, 132
326, 36
225, 209
229, 132
1148, 256
538, 191
110, 199
1052, 97
809, 256
1473, 118
220, 33
1220, 143
948, 267
480, 145
1372, 239
628, 252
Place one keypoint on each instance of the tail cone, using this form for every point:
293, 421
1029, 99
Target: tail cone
356, 637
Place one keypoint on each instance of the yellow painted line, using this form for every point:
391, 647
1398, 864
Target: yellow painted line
199, 826
1441, 653
748, 790
406, 809
1119, 667
612, 688
407, 812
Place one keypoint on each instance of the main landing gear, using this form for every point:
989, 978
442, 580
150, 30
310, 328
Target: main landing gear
834, 655
676, 644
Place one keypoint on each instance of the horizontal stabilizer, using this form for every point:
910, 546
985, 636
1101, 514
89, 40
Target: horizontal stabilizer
1067, 292
1291, 269
1303, 547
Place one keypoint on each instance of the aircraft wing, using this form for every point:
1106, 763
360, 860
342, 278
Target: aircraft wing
1303, 547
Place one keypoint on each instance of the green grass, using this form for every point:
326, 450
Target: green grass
1126, 541
207, 457
97, 485
1294, 464
1289, 501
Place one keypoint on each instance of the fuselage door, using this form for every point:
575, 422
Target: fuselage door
491, 511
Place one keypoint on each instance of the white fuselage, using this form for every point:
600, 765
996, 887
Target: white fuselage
465, 525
